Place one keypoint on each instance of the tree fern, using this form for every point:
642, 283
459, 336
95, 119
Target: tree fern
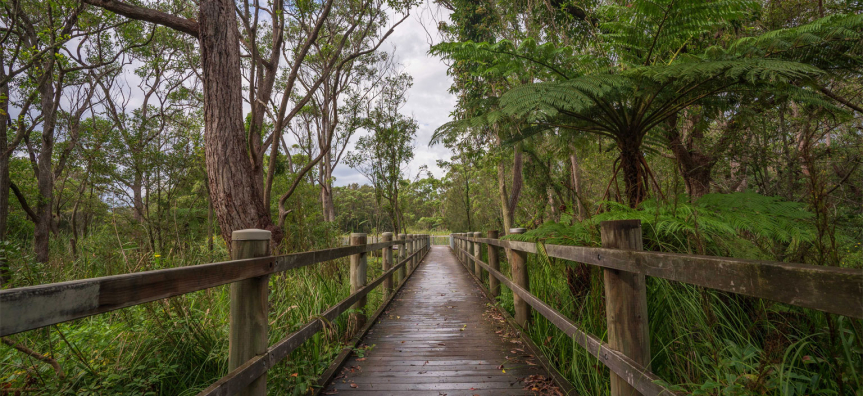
711, 225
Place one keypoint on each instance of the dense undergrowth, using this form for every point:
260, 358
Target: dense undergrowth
176, 346
703, 342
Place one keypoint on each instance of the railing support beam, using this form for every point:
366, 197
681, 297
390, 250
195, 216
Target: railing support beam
625, 302
518, 266
494, 263
247, 336
475, 251
403, 248
387, 263
359, 263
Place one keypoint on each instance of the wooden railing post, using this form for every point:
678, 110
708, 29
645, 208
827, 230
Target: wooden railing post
462, 248
475, 251
417, 249
359, 264
387, 263
518, 266
493, 283
247, 335
410, 251
403, 250
625, 302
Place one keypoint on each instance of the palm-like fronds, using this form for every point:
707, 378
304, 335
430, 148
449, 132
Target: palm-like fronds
714, 222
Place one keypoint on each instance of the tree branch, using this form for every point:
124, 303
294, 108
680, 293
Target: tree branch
830, 94
127, 10
23, 200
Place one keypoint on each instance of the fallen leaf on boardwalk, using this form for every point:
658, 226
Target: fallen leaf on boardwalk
354, 386
361, 359
500, 367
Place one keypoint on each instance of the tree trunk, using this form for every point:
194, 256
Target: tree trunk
327, 206
4, 163
44, 170
576, 182
508, 201
631, 164
4, 175
234, 190
137, 197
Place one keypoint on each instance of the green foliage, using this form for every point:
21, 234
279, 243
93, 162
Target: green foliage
715, 224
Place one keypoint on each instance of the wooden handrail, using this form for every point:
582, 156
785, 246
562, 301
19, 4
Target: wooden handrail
28, 308
32, 307
829, 289
242, 376
642, 379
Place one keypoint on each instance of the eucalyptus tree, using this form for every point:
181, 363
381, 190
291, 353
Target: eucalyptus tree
382, 154
340, 100
163, 98
269, 32
53, 55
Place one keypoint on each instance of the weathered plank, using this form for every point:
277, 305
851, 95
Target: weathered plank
828, 289
438, 335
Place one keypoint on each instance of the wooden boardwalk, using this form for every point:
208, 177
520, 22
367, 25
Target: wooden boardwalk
439, 336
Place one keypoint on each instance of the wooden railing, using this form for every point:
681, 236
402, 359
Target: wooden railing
625, 266
29, 308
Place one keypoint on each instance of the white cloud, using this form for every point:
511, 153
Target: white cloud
428, 100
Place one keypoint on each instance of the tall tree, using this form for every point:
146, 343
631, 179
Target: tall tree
234, 157
382, 154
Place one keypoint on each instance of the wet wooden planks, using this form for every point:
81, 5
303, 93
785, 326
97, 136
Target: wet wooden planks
439, 337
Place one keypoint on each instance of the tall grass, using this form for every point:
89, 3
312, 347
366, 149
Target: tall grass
176, 346
703, 342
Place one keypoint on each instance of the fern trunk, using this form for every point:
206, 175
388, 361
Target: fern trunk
632, 165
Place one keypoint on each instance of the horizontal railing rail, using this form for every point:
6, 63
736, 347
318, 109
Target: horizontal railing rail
643, 380
33, 307
828, 289
29, 308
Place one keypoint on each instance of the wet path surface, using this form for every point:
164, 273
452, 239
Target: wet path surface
440, 337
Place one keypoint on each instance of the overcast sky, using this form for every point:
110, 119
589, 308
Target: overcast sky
428, 99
